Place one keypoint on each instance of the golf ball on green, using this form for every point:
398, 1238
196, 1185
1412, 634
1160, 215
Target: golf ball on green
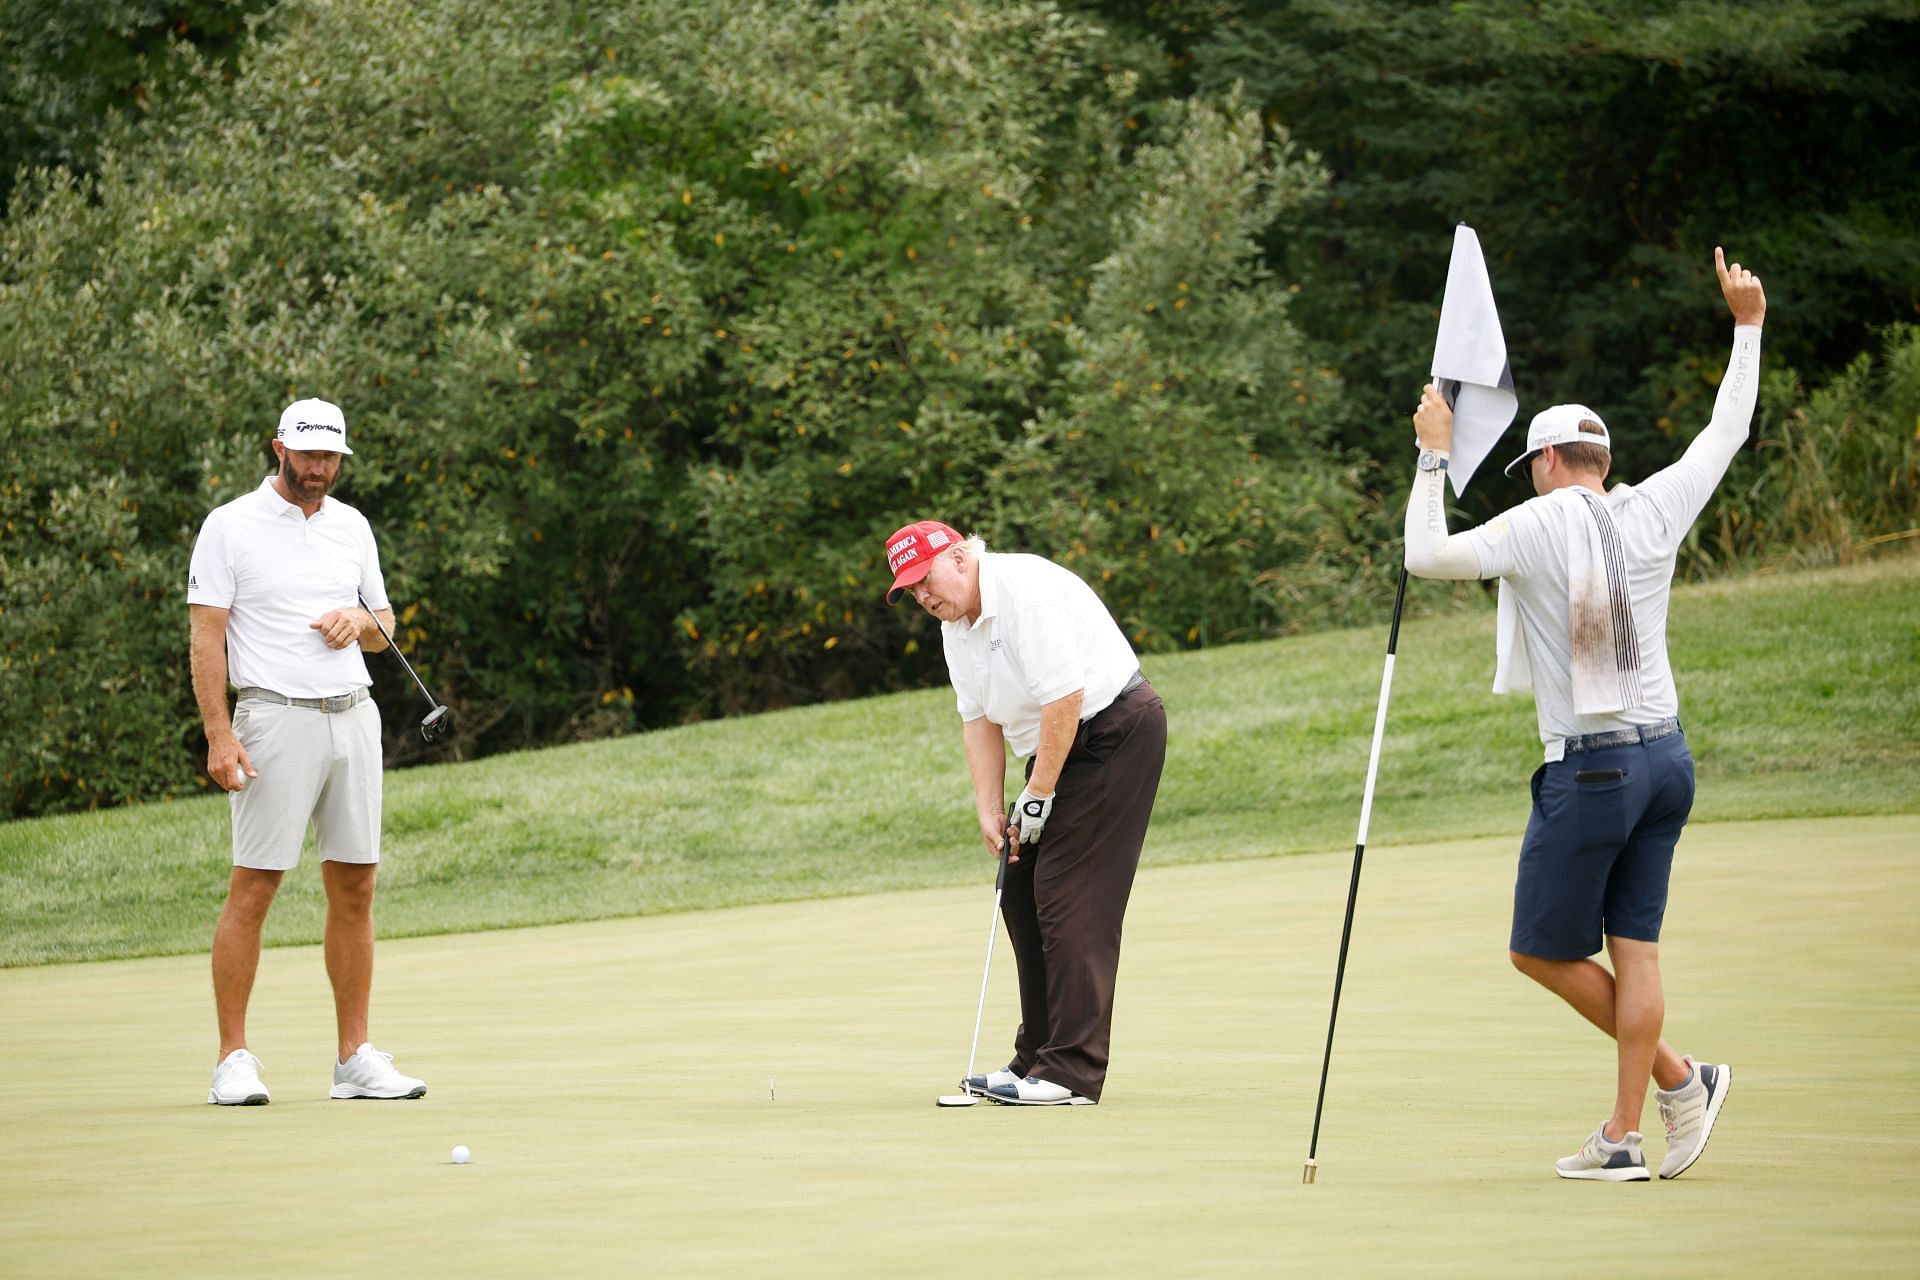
460, 1155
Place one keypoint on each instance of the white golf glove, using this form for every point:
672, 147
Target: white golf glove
1030, 813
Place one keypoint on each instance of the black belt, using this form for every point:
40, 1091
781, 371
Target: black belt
1622, 737
339, 702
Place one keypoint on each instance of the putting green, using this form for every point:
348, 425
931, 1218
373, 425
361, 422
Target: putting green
613, 1079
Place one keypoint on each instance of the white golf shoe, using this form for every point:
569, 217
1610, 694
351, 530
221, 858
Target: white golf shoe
1689, 1113
236, 1082
1604, 1161
370, 1073
980, 1084
1032, 1092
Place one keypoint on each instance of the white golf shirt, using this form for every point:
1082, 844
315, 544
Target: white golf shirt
1527, 547
1042, 634
276, 571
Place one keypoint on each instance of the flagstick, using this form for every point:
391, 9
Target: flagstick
1359, 852
1469, 346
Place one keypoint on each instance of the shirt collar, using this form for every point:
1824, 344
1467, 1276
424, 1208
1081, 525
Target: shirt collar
281, 508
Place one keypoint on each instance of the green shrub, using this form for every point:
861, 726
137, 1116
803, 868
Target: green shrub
1834, 472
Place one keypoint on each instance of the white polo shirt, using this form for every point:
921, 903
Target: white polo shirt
1042, 633
276, 571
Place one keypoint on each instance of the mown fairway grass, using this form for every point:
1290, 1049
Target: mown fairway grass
612, 1080
1801, 694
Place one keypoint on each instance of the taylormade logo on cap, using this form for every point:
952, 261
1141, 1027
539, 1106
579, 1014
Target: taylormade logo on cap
313, 426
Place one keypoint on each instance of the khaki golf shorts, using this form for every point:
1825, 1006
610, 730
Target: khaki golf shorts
316, 767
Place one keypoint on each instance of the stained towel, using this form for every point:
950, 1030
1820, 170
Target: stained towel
1604, 643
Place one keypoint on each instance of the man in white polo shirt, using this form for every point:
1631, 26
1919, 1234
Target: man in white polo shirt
274, 591
1038, 664
1585, 574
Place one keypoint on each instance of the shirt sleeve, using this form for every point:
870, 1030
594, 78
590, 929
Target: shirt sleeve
1430, 552
1049, 652
1680, 492
966, 700
1505, 545
210, 572
373, 584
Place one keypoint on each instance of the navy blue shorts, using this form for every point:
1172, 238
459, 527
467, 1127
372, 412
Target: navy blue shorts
1599, 847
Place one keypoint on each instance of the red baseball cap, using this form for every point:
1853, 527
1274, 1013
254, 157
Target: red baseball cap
910, 553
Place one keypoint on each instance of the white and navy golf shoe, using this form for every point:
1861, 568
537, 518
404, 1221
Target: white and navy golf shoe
1032, 1092
980, 1084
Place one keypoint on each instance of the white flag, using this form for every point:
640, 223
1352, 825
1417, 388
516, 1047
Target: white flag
1470, 360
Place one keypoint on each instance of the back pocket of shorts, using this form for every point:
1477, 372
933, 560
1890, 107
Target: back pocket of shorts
1600, 806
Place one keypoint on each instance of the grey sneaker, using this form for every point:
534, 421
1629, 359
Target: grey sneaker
1603, 1161
370, 1073
980, 1084
1689, 1113
236, 1082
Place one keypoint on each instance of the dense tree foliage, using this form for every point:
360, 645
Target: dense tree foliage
649, 328
651, 319
66, 67
1601, 151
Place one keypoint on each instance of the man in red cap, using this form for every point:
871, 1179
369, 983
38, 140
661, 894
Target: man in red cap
1038, 664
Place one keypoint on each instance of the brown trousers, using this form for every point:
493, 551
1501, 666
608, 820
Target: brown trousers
1064, 900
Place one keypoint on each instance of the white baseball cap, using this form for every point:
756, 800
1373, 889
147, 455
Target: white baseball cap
1560, 425
312, 426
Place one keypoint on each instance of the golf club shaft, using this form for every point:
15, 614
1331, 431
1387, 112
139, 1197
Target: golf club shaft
385, 634
999, 885
981, 1009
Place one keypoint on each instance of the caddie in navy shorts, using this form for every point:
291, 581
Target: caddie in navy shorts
1599, 847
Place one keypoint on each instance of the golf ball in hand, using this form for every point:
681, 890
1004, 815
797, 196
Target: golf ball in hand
460, 1155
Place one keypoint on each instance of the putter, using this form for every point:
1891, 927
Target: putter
438, 722
969, 1099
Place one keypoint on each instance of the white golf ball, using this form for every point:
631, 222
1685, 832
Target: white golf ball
460, 1155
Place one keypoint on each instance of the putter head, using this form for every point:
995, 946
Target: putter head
956, 1100
437, 724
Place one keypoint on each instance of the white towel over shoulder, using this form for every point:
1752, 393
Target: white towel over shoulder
1602, 638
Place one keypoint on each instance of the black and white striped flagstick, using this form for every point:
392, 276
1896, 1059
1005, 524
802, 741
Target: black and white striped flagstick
1359, 852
